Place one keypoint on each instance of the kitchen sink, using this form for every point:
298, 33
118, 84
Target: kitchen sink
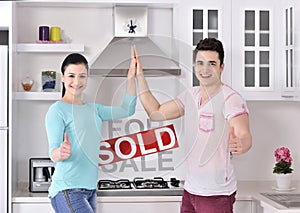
285, 199
141, 192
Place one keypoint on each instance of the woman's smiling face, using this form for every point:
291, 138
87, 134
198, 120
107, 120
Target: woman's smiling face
75, 79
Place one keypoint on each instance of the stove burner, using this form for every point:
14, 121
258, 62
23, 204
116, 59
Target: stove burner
118, 184
155, 183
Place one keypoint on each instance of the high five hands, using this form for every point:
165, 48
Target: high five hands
235, 143
135, 67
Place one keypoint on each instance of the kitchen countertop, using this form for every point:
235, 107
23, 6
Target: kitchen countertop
247, 191
24, 196
251, 190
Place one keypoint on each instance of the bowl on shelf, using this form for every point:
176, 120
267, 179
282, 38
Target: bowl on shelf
27, 83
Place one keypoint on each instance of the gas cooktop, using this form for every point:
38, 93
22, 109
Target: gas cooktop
140, 187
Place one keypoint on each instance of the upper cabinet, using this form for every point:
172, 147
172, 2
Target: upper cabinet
206, 23
253, 50
259, 63
263, 50
195, 20
5, 14
290, 74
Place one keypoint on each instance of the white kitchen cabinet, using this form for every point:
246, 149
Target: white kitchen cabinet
195, 20
253, 50
138, 207
256, 207
289, 72
259, 63
144, 207
242, 206
263, 61
296, 31
32, 208
5, 14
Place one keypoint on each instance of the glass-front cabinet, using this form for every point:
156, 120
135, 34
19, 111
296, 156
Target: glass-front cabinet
263, 50
289, 75
253, 55
206, 24
257, 60
196, 20
260, 42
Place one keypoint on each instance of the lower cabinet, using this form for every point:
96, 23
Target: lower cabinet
144, 207
151, 207
32, 208
257, 208
243, 206
240, 206
247, 206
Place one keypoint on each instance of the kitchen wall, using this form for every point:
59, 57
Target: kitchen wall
92, 26
273, 123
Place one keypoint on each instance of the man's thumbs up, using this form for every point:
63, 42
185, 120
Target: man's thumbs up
235, 143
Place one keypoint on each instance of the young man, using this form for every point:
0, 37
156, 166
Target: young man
216, 125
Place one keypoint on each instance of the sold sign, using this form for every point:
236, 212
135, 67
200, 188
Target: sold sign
137, 144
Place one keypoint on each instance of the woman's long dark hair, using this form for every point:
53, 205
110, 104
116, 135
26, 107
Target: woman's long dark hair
73, 58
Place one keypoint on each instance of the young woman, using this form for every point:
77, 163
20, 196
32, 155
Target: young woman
74, 133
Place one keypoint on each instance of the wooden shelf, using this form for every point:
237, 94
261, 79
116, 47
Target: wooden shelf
39, 96
60, 47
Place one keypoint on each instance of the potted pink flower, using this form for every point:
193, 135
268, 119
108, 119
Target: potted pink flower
283, 168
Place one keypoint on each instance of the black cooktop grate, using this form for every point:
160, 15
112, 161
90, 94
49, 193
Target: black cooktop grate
155, 183
114, 184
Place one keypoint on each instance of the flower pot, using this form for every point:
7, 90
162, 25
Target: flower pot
284, 181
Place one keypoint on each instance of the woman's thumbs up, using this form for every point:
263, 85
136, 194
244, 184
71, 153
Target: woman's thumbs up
65, 148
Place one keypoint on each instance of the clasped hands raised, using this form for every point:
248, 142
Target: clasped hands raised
135, 67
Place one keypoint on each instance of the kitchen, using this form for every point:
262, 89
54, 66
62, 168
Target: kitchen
274, 113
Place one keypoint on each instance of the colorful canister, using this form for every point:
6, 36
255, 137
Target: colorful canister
44, 33
55, 34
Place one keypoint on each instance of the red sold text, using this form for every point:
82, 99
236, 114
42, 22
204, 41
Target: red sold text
137, 144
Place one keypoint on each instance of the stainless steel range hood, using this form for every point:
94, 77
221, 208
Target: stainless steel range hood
114, 60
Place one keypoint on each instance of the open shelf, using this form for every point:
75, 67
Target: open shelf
50, 47
47, 96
